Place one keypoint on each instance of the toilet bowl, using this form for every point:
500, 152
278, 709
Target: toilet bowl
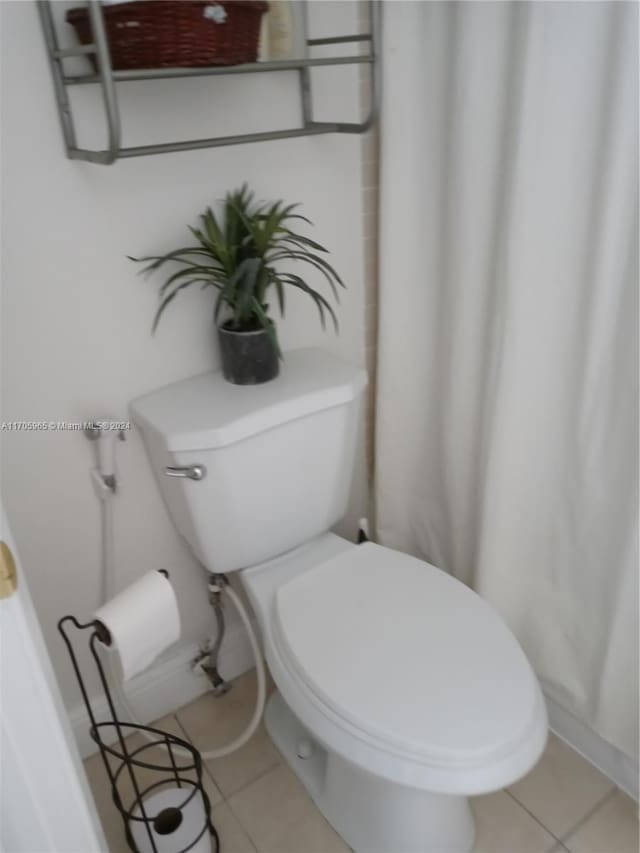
400, 692
392, 723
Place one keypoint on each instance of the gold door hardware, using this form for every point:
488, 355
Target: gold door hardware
8, 576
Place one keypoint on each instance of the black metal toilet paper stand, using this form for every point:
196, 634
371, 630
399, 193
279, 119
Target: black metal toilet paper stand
135, 776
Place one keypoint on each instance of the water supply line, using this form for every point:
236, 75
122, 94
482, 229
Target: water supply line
207, 660
105, 484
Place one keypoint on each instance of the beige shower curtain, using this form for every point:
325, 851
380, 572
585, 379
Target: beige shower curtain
506, 428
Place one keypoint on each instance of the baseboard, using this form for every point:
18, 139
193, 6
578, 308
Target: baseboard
617, 766
167, 685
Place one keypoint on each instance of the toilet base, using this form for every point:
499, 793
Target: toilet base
372, 814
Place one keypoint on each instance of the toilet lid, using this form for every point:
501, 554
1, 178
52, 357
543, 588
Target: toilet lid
408, 655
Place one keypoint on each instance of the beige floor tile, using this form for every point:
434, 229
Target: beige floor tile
214, 721
612, 828
279, 816
167, 724
209, 720
101, 787
503, 826
234, 772
146, 777
210, 787
107, 812
171, 724
269, 811
562, 788
233, 838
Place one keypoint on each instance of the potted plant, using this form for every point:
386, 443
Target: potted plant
241, 258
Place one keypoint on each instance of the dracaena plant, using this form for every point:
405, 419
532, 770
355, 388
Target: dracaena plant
241, 256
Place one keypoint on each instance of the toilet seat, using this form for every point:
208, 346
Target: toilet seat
445, 688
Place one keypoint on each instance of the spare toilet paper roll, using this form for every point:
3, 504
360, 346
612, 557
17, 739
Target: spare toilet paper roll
143, 620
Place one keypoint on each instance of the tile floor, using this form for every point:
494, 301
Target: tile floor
258, 805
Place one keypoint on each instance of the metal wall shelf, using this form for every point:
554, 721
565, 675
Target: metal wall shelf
107, 79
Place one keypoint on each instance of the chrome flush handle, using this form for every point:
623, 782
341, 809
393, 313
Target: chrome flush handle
192, 472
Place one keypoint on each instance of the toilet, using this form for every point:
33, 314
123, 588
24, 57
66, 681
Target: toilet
400, 692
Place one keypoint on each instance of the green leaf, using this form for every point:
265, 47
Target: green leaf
300, 240
280, 293
269, 327
310, 258
229, 293
318, 298
177, 256
246, 287
166, 301
238, 253
317, 263
297, 215
212, 228
191, 272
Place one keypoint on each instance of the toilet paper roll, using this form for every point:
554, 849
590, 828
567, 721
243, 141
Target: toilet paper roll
188, 824
143, 620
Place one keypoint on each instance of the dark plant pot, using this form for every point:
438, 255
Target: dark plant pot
248, 358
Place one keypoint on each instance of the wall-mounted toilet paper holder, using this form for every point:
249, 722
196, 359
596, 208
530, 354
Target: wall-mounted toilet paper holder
102, 632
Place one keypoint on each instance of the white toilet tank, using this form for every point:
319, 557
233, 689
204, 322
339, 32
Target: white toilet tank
277, 458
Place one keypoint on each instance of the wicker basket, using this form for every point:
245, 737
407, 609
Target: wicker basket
177, 33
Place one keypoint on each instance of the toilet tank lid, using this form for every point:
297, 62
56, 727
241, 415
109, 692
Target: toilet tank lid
206, 411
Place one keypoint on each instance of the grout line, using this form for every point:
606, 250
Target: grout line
260, 775
182, 728
589, 814
206, 770
531, 814
205, 766
245, 829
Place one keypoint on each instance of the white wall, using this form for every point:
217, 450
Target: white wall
76, 318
